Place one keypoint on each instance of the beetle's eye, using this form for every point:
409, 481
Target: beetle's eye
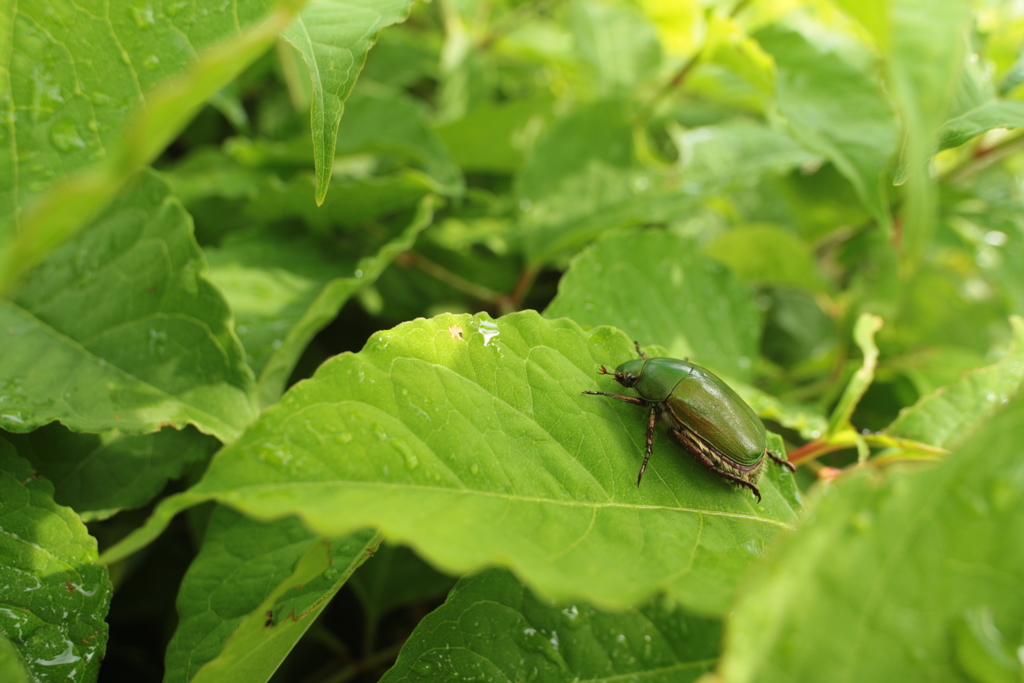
628, 379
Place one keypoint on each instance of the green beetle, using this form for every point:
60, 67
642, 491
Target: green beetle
703, 414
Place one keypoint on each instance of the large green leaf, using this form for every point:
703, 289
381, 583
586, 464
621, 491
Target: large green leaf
893, 572
228, 635
333, 37
79, 75
837, 109
470, 440
119, 330
656, 286
491, 628
54, 595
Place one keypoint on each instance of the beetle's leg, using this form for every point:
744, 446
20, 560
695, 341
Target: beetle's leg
650, 441
642, 354
782, 461
710, 464
627, 399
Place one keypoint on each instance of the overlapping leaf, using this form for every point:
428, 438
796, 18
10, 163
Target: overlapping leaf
251, 593
82, 75
887, 577
75, 76
54, 595
491, 628
119, 330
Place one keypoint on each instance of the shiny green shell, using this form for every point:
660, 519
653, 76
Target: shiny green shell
699, 400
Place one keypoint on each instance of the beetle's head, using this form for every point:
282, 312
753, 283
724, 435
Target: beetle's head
628, 374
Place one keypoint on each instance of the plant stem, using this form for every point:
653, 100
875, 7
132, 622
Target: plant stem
453, 280
515, 301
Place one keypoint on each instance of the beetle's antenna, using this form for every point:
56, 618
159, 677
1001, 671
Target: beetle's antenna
604, 371
642, 354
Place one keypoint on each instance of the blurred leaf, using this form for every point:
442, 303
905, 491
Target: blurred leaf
735, 154
677, 23
837, 109
728, 45
333, 37
947, 303
389, 123
402, 57
928, 40
98, 475
767, 254
582, 179
12, 668
819, 203
492, 138
657, 287
985, 117
353, 202
101, 91
118, 329
55, 595
618, 43
403, 437
949, 416
284, 290
249, 185
251, 593
873, 15
491, 628
796, 330
981, 650
882, 573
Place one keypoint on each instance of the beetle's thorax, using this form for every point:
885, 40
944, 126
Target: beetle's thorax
653, 378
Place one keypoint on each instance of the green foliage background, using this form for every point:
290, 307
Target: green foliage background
298, 301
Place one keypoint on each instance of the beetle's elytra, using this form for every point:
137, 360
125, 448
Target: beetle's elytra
703, 414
